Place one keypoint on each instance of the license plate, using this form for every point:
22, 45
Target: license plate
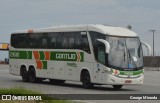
128, 81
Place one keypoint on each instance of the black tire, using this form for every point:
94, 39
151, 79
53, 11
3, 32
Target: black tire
51, 80
39, 80
86, 80
117, 86
32, 75
56, 81
24, 74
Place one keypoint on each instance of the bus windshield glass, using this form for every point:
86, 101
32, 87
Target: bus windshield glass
125, 53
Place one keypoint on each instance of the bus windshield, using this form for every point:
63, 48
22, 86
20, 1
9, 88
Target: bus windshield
125, 53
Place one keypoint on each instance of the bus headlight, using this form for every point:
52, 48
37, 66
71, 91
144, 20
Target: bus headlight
108, 70
112, 71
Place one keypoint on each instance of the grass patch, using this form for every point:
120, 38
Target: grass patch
22, 92
18, 90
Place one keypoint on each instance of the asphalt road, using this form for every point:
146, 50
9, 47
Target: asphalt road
151, 86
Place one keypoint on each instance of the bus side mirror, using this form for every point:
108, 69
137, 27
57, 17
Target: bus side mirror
107, 45
148, 47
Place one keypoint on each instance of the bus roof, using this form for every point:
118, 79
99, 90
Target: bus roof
108, 30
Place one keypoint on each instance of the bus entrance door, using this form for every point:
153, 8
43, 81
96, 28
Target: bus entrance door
101, 65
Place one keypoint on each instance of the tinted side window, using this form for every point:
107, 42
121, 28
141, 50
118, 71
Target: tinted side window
78, 40
59, 41
19, 40
44, 39
68, 40
81, 41
85, 43
14, 37
33, 38
53, 40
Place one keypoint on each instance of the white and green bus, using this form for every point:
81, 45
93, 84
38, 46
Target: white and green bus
91, 54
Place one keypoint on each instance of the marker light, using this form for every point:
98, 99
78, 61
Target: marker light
115, 72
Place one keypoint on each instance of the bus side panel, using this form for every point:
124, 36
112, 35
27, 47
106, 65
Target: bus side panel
88, 64
99, 73
52, 69
13, 69
71, 70
41, 70
56, 70
15, 65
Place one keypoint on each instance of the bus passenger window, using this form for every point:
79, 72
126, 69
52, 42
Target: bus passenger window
44, 43
68, 39
53, 43
85, 43
53, 40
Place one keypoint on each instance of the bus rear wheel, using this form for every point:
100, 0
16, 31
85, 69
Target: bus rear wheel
86, 80
117, 86
32, 75
24, 74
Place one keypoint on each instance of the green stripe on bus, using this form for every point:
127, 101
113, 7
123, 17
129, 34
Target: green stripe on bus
29, 54
20, 54
42, 56
57, 56
44, 64
82, 56
131, 72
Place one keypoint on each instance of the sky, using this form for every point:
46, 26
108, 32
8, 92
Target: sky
142, 15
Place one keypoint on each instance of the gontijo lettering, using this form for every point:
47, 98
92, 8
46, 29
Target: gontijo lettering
65, 56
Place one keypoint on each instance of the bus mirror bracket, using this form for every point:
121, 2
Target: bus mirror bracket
148, 47
107, 45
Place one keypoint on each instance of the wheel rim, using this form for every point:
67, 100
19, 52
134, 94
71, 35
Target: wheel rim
86, 80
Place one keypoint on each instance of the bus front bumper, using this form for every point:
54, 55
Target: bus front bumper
115, 80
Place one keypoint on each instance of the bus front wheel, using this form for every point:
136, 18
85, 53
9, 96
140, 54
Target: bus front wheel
86, 80
117, 86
